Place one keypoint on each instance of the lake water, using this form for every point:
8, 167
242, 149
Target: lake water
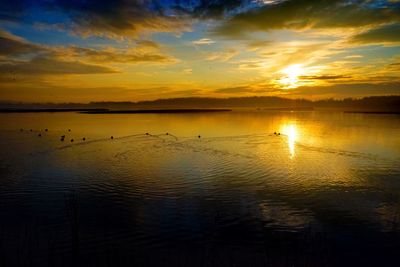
325, 192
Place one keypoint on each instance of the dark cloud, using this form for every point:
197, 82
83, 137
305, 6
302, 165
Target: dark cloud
394, 66
385, 34
325, 77
301, 14
38, 60
147, 43
132, 17
50, 66
120, 17
97, 17
214, 8
11, 45
118, 56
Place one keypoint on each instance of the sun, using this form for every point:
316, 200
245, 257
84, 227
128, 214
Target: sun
291, 75
293, 71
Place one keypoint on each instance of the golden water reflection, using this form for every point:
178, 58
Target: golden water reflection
291, 132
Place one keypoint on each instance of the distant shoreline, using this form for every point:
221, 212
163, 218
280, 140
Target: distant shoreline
49, 110
107, 111
373, 104
95, 111
287, 109
154, 111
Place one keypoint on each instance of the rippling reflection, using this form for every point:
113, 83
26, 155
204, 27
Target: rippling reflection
237, 191
290, 130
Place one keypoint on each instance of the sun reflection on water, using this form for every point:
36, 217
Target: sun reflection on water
290, 130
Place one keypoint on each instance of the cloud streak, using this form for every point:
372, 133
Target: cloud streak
325, 77
118, 18
11, 45
389, 33
111, 55
303, 14
51, 66
203, 41
236, 46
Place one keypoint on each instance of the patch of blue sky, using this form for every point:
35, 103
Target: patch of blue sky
383, 4
182, 44
53, 28
52, 36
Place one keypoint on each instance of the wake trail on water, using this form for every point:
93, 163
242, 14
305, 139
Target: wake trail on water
248, 141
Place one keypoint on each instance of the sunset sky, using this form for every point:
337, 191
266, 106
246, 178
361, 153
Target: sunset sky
129, 50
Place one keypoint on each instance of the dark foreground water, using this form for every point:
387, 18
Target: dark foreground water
326, 192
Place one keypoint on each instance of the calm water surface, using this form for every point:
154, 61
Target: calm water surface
326, 192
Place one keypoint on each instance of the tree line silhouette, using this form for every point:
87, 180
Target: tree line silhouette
371, 103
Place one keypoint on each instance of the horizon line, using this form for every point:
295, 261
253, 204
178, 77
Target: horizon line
14, 102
